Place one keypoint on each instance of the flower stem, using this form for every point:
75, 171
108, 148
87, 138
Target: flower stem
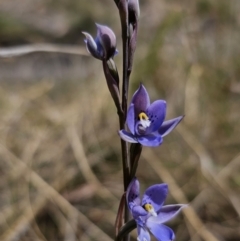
123, 12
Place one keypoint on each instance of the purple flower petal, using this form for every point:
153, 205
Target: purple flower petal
137, 211
169, 125
140, 100
131, 118
150, 140
116, 52
126, 136
143, 234
156, 113
92, 46
132, 194
168, 212
107, 39
99, 47
160, 231
155, 195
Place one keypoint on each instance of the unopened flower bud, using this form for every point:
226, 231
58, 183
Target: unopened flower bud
134, 11
103, 47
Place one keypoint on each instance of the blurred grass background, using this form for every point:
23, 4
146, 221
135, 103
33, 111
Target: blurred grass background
60, 165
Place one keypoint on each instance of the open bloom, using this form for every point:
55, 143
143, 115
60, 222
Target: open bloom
146, 121
104, 45
150, 214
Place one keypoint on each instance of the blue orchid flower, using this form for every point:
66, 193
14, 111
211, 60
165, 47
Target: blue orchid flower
103, 47
146, 121
150, 214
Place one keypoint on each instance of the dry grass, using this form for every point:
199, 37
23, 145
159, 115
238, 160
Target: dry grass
60, 165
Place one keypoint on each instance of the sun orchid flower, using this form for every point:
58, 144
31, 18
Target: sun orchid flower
146, 121
103, 47
149, 213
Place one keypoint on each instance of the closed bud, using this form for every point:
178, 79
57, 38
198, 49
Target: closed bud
134, 11
103, 47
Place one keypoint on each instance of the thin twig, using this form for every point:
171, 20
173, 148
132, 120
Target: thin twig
32, 48
207, 167
53, 195
222, 175
83, 163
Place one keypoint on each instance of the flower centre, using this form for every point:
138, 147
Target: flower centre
144, 120
148, 207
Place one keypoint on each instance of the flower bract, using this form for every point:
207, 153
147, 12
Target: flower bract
103, 47
149, 213
146, 121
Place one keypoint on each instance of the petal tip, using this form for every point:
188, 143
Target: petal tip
181, 117
142, 86
133, 181
126, 136
165, 185
98, 25
85, 34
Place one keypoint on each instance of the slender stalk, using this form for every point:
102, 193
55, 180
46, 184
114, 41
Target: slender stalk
125, 83
123, 11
